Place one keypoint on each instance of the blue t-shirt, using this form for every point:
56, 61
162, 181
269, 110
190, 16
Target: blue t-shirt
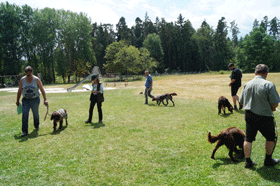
148, 81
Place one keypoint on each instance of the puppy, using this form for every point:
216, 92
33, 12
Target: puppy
231, 138
57, 116
166, 97
223, 103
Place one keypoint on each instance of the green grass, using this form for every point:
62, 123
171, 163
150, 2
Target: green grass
137, 144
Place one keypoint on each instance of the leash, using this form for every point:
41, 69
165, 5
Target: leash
47, 113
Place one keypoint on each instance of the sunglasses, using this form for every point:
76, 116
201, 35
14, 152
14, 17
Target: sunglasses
28, 70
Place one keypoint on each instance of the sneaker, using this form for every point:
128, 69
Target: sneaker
271, 162
37, 129
249, 164
87, 121
145, 103
100, 121
24, 134
235, 108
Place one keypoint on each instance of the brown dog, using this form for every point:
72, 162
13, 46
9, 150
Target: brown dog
166, 97
231, 138
223, 102
58, 116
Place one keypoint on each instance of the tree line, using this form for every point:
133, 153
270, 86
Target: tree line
62, 43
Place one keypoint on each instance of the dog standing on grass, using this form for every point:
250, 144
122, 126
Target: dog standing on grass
231, 138
57, 116
166, 97
223, 102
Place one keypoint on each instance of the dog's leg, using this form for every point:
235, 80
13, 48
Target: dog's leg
220, 143
219, 109
230, 154
172, 102
54, 125
223, 108
66, 122
60, 123
163, 103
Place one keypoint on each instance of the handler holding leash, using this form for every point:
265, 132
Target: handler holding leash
148, 85
260, 99
29, 88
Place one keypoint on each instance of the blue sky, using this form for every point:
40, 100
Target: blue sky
110, 11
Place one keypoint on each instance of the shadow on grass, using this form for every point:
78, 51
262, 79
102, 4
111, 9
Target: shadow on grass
240, 111
58, 131
226, 161
225, 115
33, 134
269, 173
97, 125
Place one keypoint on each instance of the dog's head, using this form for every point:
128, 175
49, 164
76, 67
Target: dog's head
230, 108
55, 116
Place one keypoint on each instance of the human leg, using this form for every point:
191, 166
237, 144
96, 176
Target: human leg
100, 115
25, 116
146, 96
91, 107
35, 110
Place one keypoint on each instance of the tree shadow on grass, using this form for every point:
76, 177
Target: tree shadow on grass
33, 134
226, 161
269, 173
58, 131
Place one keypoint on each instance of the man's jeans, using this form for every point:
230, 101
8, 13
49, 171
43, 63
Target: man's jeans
28, 104
148, 93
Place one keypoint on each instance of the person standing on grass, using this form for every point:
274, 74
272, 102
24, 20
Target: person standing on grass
148, 86
260, 98
235, 83
29, 88
97, 88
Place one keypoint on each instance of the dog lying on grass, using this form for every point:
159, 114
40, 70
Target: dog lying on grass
166, 97
231, 138
223, 102
57, 116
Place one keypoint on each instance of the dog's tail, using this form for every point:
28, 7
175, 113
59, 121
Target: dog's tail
213, 139
173, 94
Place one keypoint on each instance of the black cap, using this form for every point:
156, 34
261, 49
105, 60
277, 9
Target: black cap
93, 77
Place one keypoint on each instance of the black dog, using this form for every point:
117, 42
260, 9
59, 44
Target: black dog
58, 116
166, 97
231, 138
223, 103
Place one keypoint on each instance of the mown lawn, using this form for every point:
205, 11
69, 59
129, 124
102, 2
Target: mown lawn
137, 144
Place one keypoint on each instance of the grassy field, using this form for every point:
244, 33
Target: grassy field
137, 144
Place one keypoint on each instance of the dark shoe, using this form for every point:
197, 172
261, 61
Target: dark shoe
37, 129
249, 164
240, 106
271, 162
23, 135
235, 108
87, 121
100, 121
145, 103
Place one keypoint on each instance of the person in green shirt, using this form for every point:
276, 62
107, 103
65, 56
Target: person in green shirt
259, 99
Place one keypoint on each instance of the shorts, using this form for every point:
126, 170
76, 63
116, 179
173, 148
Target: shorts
234, 90
255, 123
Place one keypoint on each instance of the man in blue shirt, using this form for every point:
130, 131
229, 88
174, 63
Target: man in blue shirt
148, 85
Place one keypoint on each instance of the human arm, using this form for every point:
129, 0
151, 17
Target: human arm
273, 107
232, 81
19, 92
40, 85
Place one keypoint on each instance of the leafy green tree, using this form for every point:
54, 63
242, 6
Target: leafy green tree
153, 44
235, 31
122, 30
257, 48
